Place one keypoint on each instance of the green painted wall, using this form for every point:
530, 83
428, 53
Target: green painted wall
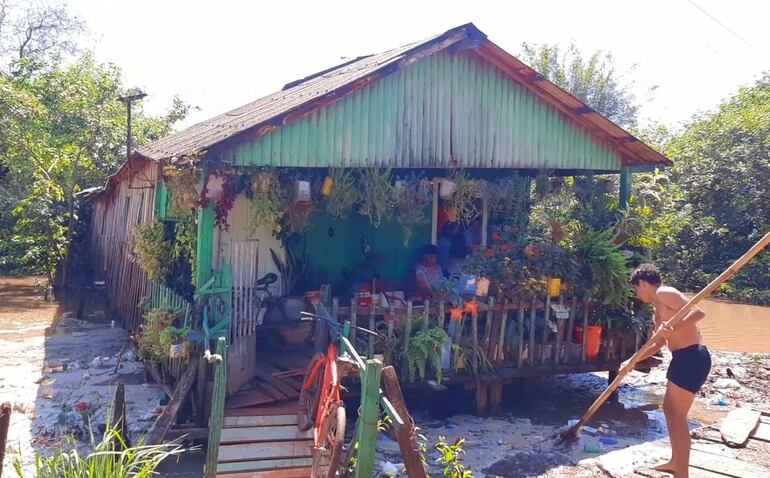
441, 109
333, 253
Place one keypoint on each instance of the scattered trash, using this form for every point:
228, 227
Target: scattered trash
80, 334
608, 441
388, 469
589, 430
720, 401
727, 383
572, 422
593, 448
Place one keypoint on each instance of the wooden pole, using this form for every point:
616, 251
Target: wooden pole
118, 421
407, 336
406, 434
162, 425
657, 338
5, 422
217, 411
370, 413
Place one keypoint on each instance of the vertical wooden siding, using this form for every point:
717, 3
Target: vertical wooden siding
441, 111
130, 201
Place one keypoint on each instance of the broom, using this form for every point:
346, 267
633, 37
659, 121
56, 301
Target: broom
574, 432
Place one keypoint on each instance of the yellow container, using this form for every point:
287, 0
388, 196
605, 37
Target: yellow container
554, 287
326, 189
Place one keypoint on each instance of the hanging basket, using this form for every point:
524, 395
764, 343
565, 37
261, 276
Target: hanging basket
263, 182
328, 184
554, 287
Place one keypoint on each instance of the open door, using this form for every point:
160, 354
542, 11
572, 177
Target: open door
241, 354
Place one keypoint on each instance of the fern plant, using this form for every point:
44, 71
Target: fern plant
153, 252
425, 347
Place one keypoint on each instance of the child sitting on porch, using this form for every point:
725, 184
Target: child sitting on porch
428, 274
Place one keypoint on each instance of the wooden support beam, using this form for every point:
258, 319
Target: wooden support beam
585, 331
407, 336
543, 354
482, 398
370, 412
118, 421
153, 373
5, 423
532, 321
495, 397
162, 425
570, 327
217, 411
520, 342
475, 340
500, 349
405, 435
485, 343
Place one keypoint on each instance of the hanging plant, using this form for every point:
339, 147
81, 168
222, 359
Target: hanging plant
152, 251
341, 191
225, 201
606, 267
185, 242
377, 194
183, 183
296, 219
463, 204
411, 202
509, 198
268, 202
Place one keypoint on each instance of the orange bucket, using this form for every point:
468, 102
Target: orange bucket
593, 339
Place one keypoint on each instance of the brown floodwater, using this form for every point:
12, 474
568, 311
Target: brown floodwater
733, 327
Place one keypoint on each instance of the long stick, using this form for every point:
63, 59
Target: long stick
675, 319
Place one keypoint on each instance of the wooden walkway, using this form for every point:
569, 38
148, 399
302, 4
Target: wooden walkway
260, 437
712, 458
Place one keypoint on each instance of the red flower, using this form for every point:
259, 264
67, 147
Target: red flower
81, 406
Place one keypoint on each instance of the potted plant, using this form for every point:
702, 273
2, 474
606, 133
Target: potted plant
175, 341
268, 201
378, 195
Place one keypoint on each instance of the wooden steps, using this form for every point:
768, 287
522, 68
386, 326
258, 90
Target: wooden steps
264, 442
278, 378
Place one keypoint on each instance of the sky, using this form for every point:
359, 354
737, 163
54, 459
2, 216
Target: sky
218, 55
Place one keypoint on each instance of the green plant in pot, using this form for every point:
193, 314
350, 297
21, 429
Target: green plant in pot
268, 201
151, 249
175, 341
412, 199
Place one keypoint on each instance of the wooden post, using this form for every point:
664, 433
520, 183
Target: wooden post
205, 239
547, 316
625, 187
353, 321
488, 328
585, 330
475, 340
200, 390
370, 351
370, 413
434, 214
157, 433
500, 353
406, 435
570, 327
481, 398
407, 335
217, 411
520, 342
496, 397
5, 423
559, 335
532, 319
118, 421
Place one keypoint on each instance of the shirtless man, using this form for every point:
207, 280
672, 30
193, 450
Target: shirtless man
689, 366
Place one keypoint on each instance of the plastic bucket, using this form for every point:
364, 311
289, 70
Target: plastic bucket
593, 339
554, 287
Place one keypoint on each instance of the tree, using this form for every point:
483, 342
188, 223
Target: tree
593, 79
720, 195
62, 129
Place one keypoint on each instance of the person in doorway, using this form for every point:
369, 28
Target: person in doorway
428, 274
690, 363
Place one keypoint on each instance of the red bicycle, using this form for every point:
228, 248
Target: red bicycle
320, 401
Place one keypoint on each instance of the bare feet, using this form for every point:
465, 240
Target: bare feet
667, 467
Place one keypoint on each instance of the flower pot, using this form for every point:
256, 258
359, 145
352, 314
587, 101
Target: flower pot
263, 182
593, 339
447, 189
176, 351
554, 287
301, 191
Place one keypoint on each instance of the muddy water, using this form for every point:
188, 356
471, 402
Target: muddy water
735, 327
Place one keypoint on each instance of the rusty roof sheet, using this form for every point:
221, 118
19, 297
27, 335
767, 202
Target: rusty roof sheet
316, 90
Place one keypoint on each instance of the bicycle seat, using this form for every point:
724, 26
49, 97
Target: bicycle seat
267, 279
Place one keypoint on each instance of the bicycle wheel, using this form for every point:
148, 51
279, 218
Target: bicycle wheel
327, 456
310, 394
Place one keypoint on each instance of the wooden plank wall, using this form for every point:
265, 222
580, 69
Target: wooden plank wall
128, 201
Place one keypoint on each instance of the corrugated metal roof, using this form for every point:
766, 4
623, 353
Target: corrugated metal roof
302, 98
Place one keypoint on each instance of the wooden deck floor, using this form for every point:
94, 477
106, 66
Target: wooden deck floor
712, 458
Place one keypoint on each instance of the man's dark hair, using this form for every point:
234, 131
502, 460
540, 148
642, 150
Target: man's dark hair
646, 272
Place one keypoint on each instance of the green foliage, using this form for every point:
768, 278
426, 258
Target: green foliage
153, 252
268, 202
465, 202
593, 79
110, 457
605, 269
157, 334
61, 131
185, 242
183, 182
378, 194
344, 193
718, 202
425, 347
412, 200
451, 458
